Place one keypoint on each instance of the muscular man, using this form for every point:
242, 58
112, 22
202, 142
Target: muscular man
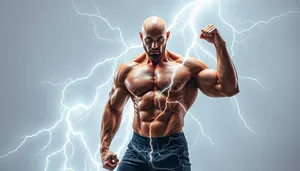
162, 99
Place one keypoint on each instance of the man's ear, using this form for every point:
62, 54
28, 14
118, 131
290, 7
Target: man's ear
168, 35
141, 36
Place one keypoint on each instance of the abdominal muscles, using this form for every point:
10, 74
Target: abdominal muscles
156, 115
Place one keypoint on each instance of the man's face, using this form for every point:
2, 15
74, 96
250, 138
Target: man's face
154, 44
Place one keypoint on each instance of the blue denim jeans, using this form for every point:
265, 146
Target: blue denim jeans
164, 153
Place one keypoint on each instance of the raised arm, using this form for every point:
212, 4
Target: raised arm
112, 116
224, 81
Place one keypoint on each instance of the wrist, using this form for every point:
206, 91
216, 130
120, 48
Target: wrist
221, 44
103, 149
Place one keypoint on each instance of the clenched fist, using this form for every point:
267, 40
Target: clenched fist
109, 159
211, 34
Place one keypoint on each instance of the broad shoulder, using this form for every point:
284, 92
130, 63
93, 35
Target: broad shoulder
122, 71
193, 64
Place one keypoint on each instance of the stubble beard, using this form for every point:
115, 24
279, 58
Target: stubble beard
155, 58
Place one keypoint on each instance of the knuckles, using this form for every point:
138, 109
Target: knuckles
106, 160
209, 29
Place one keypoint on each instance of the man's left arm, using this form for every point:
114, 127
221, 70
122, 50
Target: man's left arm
224, 81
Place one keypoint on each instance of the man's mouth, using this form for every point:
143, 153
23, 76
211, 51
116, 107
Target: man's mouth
155, 52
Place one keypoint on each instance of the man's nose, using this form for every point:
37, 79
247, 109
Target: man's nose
154, 45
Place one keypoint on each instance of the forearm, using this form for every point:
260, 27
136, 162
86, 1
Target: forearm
227, 75
110, 124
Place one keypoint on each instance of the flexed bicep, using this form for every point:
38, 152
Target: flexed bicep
211, 82
208, 82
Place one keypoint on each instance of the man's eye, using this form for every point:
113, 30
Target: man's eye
161, 40
148, 40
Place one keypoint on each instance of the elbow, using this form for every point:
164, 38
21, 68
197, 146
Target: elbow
112, 109
232, 92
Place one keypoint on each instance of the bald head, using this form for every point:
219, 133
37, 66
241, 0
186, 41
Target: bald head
154, 36
154, 24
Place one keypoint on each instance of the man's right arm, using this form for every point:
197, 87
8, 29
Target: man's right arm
112, 115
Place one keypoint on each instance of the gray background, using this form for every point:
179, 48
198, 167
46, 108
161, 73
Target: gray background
49, 41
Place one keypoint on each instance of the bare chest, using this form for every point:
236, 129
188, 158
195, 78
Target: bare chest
144, 78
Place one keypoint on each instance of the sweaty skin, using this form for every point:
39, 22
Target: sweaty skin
161, 100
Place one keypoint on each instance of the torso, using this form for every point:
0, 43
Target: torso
160, 98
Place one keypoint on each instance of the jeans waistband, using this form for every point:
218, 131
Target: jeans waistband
177, 138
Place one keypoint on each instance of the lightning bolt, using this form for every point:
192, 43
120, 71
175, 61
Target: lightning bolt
66, 111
